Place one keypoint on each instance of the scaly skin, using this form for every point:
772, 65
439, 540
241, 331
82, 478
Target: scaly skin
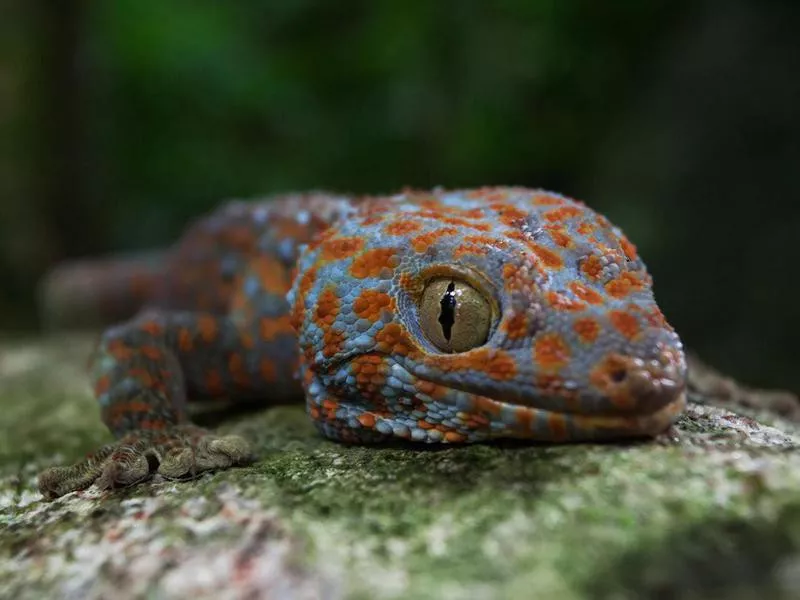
322, 296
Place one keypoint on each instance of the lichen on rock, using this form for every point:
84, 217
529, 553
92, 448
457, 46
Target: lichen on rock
711, 509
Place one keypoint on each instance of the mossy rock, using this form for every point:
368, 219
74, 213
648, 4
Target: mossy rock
713, 513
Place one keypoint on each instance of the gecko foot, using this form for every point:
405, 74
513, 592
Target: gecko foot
181, 452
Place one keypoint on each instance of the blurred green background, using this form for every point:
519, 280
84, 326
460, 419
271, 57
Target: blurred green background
119, 121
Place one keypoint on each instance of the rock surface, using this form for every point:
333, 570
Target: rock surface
710, 511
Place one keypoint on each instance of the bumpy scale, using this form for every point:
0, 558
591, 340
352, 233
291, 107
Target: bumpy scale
443, 316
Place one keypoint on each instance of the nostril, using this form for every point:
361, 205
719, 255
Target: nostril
618, 375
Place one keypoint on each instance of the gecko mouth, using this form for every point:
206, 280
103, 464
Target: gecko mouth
549, 419
618, 386
636, 389
474, 413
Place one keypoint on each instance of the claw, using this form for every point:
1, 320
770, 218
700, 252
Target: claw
183, 453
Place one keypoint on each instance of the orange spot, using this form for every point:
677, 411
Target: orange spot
120, 350
271, 274
185, 343
548, 257
237, 370
394, 339
585, 293
369, 371
333, 342
487, 240
239, 236
378, 262
656, 318
339, 248
102, 385
624, 285
431, 389
606, 376
423, 241
487, 406
524, 417
551, 351
585, 228
543, 199
270, 328
562, 214
477, 421
152, 327
207, 326
303, 289
327, 307
467, 248
628, 248
497, 364
479, 245
625, 323
454, 437
143, 376
516, 326
559, 236
213, 381
592, 267
372, 220
562, 302
246, 340
370, 304
587, 329
151, 352
557, 423
510, 215
509, 272
367, 420
266, 369
402, 228
449, 218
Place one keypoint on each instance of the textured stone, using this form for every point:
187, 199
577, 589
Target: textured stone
710, 510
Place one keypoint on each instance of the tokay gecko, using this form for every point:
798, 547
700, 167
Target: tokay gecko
429, 316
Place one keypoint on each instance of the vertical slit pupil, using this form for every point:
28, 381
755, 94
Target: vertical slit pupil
447, 317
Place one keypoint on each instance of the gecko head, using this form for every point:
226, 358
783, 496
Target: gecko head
503, 312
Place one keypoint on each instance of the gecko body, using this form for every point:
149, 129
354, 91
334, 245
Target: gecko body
439, 316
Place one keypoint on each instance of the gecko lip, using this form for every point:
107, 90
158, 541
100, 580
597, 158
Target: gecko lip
619, 385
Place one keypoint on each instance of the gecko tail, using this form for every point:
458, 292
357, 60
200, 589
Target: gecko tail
91, 293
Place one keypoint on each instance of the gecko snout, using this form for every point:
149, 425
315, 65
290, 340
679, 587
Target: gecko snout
641, 385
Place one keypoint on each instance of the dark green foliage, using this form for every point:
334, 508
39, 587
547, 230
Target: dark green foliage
119, 121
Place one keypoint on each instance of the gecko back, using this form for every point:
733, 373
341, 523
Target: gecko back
199, 272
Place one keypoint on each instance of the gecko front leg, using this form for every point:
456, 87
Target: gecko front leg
143, 371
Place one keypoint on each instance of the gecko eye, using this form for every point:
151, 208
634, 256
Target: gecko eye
454, 315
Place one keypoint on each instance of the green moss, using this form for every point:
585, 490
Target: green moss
497, 520
716, 557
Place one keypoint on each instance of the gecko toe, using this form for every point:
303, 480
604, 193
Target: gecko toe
180, 453
57, 481
232, 448
123, 469
210, 453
